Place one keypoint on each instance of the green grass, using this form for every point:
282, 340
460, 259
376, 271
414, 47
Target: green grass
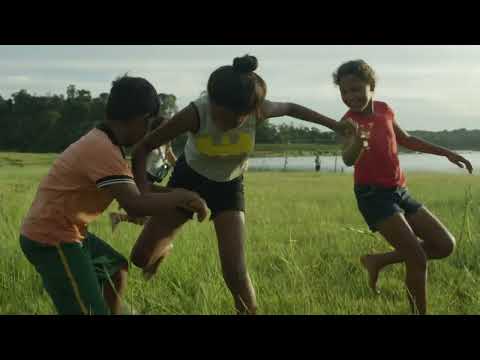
302, 249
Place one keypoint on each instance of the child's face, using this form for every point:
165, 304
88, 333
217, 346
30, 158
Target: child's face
356, 93
137, 129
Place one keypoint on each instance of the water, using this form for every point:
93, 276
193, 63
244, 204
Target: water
408, 162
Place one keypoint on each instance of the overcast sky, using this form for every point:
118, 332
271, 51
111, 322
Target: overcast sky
429, 87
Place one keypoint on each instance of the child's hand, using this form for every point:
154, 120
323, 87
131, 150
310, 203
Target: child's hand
460, 161
192, 202
348, 128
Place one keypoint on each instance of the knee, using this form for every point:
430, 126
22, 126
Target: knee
444, 248
448, 247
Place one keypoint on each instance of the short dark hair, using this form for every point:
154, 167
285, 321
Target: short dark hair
358, 68
131, 97
237, 87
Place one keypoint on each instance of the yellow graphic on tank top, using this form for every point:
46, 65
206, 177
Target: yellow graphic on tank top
233, 144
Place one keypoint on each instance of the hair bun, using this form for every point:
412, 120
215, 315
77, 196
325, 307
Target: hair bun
245, 64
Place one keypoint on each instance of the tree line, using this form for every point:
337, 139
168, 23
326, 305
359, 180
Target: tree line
50, 123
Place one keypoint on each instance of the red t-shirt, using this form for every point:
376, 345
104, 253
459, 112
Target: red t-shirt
379, 165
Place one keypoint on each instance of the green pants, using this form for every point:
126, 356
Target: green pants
74, 274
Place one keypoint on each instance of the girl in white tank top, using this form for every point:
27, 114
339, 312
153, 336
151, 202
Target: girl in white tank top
221, 134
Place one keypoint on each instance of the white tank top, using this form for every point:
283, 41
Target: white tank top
219, 155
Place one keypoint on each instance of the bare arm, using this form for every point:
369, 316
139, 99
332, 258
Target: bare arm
277, 109
184, 121
150, 204
352, 145
352, 149
415, 144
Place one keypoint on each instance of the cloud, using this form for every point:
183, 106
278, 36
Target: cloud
14, 79
428, 85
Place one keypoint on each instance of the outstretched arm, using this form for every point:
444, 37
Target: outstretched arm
415, 144
139, 205
272, 109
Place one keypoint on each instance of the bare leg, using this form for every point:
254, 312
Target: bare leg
230, 229
397, 231
150, 270
436, 240
113, 296
154, 242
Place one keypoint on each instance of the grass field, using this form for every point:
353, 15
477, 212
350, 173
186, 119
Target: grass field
305, 236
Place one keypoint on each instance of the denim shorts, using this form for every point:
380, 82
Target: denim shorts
378, 203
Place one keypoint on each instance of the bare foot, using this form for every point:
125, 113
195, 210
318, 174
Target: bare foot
369, 264
150, 270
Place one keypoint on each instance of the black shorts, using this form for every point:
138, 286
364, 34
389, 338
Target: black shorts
220, 196
378, 204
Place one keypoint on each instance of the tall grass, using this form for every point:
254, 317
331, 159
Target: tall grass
305, 237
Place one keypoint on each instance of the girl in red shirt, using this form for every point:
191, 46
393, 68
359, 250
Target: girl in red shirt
380, 185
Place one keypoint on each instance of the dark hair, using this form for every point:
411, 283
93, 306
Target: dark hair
237, 87
358, 68
131, 97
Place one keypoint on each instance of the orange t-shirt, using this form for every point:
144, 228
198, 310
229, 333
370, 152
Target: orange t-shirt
379, 165
73, 193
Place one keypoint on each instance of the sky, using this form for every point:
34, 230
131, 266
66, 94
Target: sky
429, 87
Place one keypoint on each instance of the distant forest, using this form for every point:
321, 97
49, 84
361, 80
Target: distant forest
40, 124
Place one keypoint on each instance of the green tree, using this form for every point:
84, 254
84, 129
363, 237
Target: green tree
168, 105
71, 92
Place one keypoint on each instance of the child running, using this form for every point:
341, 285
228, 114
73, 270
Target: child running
159, 163
81, 273
381, 188
221, 128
